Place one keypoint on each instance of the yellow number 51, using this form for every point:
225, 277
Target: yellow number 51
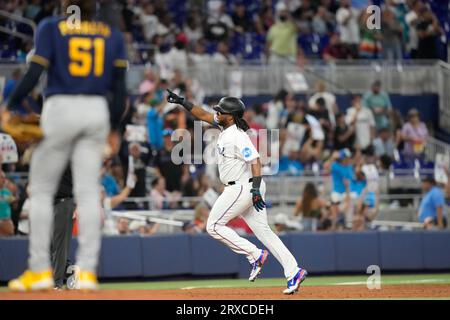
81, 56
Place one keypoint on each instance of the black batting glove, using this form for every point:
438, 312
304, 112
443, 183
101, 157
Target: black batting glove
257, 200
174, 98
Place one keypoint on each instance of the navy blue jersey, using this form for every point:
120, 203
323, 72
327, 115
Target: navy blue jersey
79, 60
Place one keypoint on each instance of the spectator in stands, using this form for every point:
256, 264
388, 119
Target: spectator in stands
11, 83
193, 29
6, 198
370, 45
330, 101
140, 155
341, 169
264, 19
363, 215
223, 57
412, 20
322, 21
432, 207
161, 198
282, 39
109, 183
198, 57
148, 21
241, 20
276, 107
312, 207
166, 28
219, 25
362, 119
48, 9
414, 135
177, 55
428, 30
344, 133
32, 9
155, 125
123, 226
348, 23
175, 174
320, 112
336, 50
132, 53
379, 103
201, 216
392, 36
384, 144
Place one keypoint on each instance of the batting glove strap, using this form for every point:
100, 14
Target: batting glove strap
257, 200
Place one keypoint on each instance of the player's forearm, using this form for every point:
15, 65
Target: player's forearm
119, 92
26, 84
203, 115
256, 173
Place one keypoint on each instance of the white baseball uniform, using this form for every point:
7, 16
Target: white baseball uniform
235, 153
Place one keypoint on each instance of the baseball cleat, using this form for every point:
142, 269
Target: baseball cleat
257, 265
32, 281
87, 281
294, 283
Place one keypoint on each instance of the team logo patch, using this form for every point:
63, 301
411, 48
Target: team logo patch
247, 152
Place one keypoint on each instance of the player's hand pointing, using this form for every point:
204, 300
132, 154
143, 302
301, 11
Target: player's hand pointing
174, 98
257, 199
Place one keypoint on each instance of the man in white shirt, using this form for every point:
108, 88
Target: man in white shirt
363, 118
330, 101
347, 19
148, 21
223, 55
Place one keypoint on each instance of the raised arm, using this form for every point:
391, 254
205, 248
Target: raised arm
196, 111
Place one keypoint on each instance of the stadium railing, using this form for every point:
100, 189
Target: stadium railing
18, 19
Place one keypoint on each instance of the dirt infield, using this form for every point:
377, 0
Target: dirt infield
306, 292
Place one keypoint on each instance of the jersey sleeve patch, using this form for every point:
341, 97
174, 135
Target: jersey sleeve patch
40, 60
121, 63
247, 153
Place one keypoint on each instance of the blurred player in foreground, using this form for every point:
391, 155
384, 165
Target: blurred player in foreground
240, 172
84, 63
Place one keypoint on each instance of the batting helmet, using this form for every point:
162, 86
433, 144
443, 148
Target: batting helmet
231, 105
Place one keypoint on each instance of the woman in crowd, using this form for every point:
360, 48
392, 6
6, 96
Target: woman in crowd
313, 208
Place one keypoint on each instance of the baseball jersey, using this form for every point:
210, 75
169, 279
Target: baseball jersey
79, 60
235, 152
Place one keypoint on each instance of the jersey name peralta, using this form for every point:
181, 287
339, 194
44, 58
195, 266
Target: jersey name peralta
79, 60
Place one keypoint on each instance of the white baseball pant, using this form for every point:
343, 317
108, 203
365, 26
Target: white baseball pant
236, 200
75, 129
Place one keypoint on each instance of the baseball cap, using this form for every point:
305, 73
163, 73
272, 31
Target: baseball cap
344, 153
167, 132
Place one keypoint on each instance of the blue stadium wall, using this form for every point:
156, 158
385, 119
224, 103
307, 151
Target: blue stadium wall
200, 255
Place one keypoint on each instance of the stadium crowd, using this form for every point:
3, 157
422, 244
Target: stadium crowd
267, 30
316, 134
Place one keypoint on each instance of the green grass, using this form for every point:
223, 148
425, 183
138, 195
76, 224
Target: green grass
278, 282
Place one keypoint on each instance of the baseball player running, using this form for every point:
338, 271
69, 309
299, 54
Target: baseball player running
240, 172
83, 64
